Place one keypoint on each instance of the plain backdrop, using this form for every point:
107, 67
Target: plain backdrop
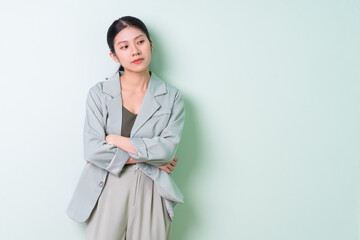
270, 148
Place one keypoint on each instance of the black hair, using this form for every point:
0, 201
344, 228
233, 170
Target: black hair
120, 24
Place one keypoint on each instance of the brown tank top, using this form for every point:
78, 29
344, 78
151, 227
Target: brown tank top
128, 119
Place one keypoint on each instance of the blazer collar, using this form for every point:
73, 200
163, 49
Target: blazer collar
149, 104
113, 87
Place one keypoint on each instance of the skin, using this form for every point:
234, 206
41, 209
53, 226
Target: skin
130, 44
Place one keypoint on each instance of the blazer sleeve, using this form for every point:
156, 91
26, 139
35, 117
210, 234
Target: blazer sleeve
161, 149
96, 149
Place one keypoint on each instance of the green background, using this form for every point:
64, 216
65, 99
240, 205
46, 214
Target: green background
270, 148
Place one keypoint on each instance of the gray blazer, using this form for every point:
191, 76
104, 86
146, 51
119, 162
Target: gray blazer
155, 136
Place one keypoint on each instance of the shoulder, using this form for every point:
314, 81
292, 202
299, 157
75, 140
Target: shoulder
164, 86
172, 89
174, 92
95, 94
170, 97
97, 88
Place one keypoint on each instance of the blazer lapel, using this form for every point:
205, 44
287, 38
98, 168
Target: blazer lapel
114, 105
147, 109
148, 106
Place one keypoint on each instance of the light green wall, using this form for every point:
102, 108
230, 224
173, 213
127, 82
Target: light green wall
270, 149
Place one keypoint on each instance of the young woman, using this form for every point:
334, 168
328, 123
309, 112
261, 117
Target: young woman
133, 125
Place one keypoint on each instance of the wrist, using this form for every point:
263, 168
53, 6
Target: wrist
131, 160
117, 141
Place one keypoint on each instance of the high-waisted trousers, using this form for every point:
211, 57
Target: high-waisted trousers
129, 208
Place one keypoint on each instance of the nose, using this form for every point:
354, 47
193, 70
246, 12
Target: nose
135, 51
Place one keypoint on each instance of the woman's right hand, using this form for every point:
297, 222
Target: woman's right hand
168, 167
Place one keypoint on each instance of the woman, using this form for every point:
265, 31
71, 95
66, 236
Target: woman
133, 125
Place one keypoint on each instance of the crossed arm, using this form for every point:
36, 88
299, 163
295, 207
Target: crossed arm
125, 144
157, 151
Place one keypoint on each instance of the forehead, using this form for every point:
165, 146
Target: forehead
128, 34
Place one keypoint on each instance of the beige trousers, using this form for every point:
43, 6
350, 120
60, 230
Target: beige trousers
129, 208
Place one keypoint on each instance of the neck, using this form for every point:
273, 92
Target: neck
135, 81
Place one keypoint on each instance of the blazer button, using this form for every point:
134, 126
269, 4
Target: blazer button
101, 184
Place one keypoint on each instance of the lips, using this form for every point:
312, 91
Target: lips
138, 60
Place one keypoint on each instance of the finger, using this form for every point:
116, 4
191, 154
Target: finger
175, 159
171, 168
166, 169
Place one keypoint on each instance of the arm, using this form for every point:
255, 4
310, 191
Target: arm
125, 144
120, 142
161, 149
96, 149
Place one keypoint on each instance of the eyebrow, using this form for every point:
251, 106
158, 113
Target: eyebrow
126, 40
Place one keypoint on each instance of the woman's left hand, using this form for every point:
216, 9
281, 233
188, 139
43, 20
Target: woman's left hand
111, 139
121, 142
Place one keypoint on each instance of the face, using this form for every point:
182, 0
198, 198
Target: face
131, 44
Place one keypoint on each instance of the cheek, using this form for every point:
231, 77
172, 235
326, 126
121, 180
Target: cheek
121, 58
146, 49
148, 54
149, 59
120, 55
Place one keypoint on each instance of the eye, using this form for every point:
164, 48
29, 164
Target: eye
123, 47
141, 41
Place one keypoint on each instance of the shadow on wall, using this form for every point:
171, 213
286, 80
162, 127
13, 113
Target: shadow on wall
188, 150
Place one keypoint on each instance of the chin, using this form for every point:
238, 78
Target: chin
137, 70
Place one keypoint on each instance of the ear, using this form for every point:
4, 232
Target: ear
151, 44
114, 57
